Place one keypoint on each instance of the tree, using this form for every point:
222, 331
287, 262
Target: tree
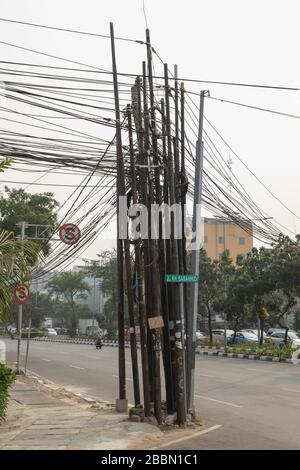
259, 281
4, 164
265, 285
20, 206
38, 308
70, 286
208, 287
214, 281
63, 313
281, 303
16, 260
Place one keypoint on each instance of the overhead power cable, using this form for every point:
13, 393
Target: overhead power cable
50, 55
258, 108
67, 30
252, 173
56, 184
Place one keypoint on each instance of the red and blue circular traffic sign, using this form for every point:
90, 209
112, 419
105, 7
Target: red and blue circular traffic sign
21, 293
69, 234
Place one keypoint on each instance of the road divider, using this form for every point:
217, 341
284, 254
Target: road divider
215, 351
244, 356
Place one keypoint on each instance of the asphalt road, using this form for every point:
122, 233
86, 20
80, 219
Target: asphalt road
244, 404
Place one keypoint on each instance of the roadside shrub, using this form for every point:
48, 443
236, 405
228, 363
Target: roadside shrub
267, 349
6, 379
34, 333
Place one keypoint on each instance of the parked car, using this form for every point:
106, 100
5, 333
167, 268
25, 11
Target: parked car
272, 330
220, 334
255, 332
51, 332
242, 337
292, 337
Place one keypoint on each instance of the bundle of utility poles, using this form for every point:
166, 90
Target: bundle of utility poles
151, 170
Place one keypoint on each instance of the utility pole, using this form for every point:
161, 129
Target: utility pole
122, 402
179, 334
23, 226
122, 192
138, 259
193, 310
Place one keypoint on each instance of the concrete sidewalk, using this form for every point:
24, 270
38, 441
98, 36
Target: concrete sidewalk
43, 417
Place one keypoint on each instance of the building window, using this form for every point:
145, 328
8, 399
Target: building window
205, 239
242, 241
221, 240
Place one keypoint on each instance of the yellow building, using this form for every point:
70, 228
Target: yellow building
223, 234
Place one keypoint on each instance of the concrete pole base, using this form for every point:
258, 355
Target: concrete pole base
122, 405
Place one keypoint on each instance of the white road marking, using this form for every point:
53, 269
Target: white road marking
190, 436
206, 375
258, 370
47, 360
76, 367
291, 390
127, 378
219, 401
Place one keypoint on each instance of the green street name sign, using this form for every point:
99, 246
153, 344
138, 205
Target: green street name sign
181, 278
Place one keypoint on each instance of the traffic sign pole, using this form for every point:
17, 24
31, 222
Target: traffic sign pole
20, 314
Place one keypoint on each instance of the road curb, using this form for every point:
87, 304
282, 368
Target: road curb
204, 350
53, 388
245, 356
111, 343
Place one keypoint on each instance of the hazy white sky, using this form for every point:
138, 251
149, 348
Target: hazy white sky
236, 41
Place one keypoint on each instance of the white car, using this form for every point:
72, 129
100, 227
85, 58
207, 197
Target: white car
51, 332
220, 334
255, 332
278, 337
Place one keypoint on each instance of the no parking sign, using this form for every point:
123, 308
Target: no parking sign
69, 234
21, 293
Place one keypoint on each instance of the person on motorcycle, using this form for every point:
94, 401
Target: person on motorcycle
99, 341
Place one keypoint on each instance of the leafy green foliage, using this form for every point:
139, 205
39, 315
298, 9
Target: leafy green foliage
17, 206
264, 286
6, 379
69, 286
16, 259
4, 164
